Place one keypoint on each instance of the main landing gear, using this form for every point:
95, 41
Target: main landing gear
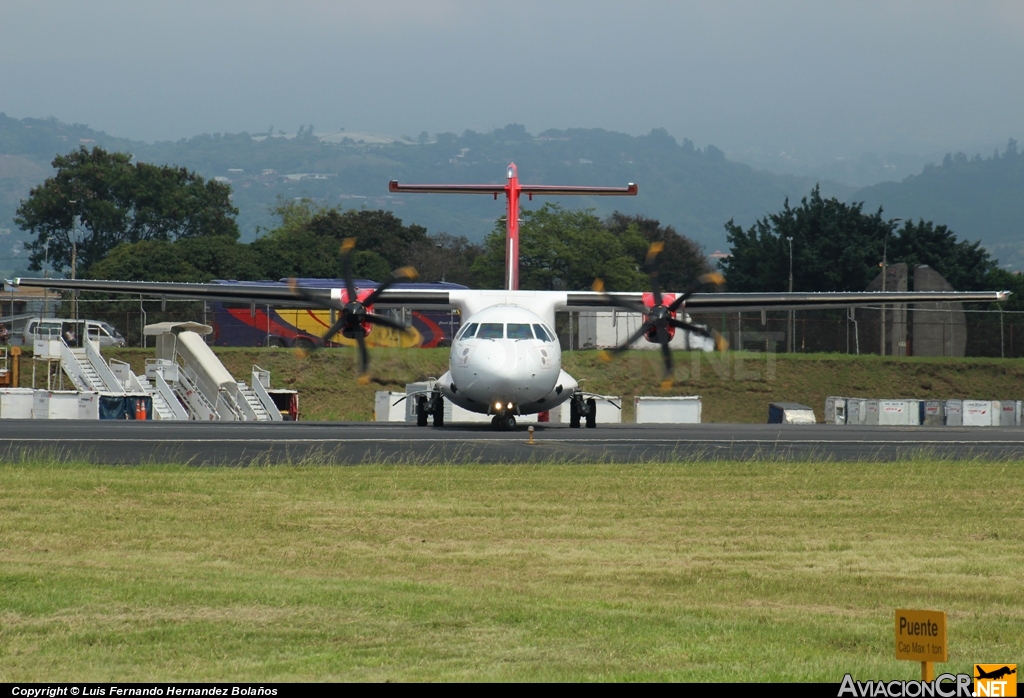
582, 409
432, 406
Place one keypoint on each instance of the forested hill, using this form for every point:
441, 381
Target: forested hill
694, 189
978, 198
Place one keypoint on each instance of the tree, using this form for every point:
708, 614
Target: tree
681, 261
563, 249
446, 256
99, 200
838, 247
308, 242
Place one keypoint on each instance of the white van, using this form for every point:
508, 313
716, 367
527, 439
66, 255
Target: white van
72, 331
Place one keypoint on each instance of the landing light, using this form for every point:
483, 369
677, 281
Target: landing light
510, 405
497, 406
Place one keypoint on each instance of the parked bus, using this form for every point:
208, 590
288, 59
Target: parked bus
238, 325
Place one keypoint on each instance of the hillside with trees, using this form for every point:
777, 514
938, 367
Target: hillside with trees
980, 198
693, 189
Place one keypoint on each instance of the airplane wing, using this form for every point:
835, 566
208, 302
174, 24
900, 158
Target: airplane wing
241, 292
276, 293
721, 302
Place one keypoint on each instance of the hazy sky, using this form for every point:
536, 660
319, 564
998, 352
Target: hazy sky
829, 77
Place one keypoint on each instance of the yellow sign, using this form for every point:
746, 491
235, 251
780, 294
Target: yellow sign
995, 680
921, 636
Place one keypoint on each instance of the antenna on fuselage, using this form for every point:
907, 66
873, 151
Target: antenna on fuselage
512, 190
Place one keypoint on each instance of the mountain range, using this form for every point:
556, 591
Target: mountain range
696, 190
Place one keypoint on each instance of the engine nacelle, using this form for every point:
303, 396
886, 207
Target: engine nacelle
666, 299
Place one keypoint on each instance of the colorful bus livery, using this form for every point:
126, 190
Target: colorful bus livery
236, 325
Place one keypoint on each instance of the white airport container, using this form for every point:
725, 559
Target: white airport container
88, 405
667, 410
1008, 415
385, 409
790, 413
871, 412
981, 413
16, 403
931, 413
836, 410
606, 413
55, 404
898, 412
954, 410
856, 410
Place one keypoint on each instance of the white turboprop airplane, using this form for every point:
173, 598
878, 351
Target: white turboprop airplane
505, 359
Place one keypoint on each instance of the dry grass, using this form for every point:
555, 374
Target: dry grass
688, 571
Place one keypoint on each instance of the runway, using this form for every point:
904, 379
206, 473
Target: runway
351, 443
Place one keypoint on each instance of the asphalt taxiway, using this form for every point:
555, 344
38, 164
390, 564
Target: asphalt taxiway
249, 443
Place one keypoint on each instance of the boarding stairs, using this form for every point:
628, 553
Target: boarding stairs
87, 369
256, 407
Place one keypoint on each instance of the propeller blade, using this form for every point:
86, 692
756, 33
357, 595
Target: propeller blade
314, 295
721, 343
636, 335
666, 353
387, 322
364, 358
346, 252
334, 329
705, 279
689, 328
652, 269
405, 273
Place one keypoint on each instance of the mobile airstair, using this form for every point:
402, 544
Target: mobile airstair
200, 382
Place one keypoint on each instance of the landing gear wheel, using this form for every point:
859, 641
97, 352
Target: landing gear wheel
439, 416
421, 411
494, 422
574, 414
507, 421
591, 413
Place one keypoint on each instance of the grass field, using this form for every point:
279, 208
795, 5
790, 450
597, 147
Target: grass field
735, 387
687, 571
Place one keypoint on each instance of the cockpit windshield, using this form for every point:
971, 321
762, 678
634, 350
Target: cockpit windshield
491, 330
519, 331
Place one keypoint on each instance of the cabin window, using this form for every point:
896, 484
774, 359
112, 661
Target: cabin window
519, 331
541, 333
491, 330
468, 331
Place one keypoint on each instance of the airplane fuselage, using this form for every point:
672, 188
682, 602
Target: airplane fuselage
506, 359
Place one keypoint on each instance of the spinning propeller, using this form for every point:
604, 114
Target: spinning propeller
354, 317
660, 317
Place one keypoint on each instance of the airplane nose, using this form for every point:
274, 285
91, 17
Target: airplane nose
505, 370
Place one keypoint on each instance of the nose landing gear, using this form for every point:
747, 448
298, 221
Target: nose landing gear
506, 421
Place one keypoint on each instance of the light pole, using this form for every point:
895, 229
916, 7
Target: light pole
885, 245
789, 334
441, 249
